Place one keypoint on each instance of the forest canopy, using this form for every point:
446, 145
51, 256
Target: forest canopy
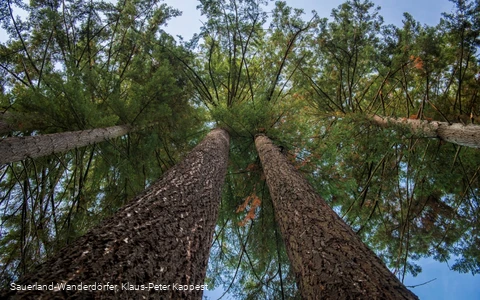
359, 107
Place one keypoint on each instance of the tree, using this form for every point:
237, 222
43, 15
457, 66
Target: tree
328, 258
463, 29
339, 74
88, 64
78, 65
161, 236
363, 168
19, 148
381, 181
455, 133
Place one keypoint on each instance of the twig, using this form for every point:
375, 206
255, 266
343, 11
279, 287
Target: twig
414, 286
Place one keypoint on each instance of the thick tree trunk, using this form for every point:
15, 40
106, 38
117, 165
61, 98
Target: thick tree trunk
463, 135
161, 239
18, 148
328, 258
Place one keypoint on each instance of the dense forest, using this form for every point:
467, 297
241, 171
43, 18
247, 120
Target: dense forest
102, 113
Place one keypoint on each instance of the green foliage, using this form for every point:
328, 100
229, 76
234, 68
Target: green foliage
247, 256
311, 86
72, 66
398, 191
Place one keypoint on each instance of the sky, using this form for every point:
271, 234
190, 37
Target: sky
424, 11
448, 284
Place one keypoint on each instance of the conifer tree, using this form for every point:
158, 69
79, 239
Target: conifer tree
162, 236
328, 258
311, 86
457, 133
18, 148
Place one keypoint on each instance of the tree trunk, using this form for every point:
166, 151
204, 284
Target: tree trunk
161, 239
328, 258
463, 135
18, 148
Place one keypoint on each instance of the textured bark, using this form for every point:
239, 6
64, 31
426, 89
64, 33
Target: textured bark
162, 236
18, 148
328, 258
463, 135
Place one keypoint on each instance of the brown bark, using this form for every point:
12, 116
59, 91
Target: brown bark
161, 237
328, 258
18, 148
463, 135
